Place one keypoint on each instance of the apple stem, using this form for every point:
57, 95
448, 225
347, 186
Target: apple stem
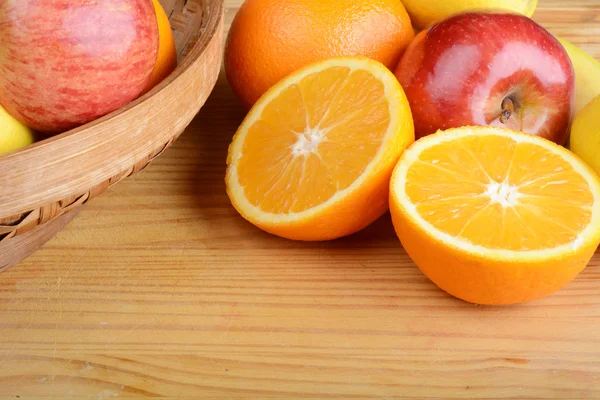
508, 108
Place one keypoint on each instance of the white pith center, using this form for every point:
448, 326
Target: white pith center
308, 142
503, 193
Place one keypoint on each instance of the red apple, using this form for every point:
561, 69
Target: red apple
64, 63
489, 68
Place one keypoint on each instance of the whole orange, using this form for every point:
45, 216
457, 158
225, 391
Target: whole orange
166, 62
269, 40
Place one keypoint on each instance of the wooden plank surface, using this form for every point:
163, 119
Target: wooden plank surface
158, 288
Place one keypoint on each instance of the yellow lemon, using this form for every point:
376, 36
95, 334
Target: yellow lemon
13, 134
423, 13
585, 134
587, 75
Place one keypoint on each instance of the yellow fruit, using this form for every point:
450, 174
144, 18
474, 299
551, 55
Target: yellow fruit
495, 216
166, 61
423, 13
313, 158
585, 134
587, 75
13, 134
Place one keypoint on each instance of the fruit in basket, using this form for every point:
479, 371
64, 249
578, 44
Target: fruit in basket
495, 216
65, 63
13, 134
269, 40
166, 61
424, 13
587, 75
489, 68
313, 158
585, 134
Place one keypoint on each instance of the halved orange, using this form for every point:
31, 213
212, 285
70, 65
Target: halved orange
494, 216
313, 158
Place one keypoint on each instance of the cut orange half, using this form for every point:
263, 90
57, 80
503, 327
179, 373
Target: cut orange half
494, 216
313, 158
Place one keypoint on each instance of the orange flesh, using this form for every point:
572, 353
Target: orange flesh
537, 200
314, 139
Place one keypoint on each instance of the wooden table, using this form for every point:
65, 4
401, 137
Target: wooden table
158, 288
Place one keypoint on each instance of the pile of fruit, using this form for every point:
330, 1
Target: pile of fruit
65, 63
473, 125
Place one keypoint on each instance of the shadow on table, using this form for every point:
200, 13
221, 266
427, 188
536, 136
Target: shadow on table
373, 254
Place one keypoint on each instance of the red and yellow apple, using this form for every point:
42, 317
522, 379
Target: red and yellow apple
64, 63
489, 68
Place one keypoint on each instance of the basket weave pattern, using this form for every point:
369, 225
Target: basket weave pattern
19, 224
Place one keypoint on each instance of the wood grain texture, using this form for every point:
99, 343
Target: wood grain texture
16, 249
158, 288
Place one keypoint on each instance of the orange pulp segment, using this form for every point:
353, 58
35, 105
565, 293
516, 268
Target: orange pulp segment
313, 158
495, 216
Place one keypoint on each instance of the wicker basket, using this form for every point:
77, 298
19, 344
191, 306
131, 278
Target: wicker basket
42, 186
